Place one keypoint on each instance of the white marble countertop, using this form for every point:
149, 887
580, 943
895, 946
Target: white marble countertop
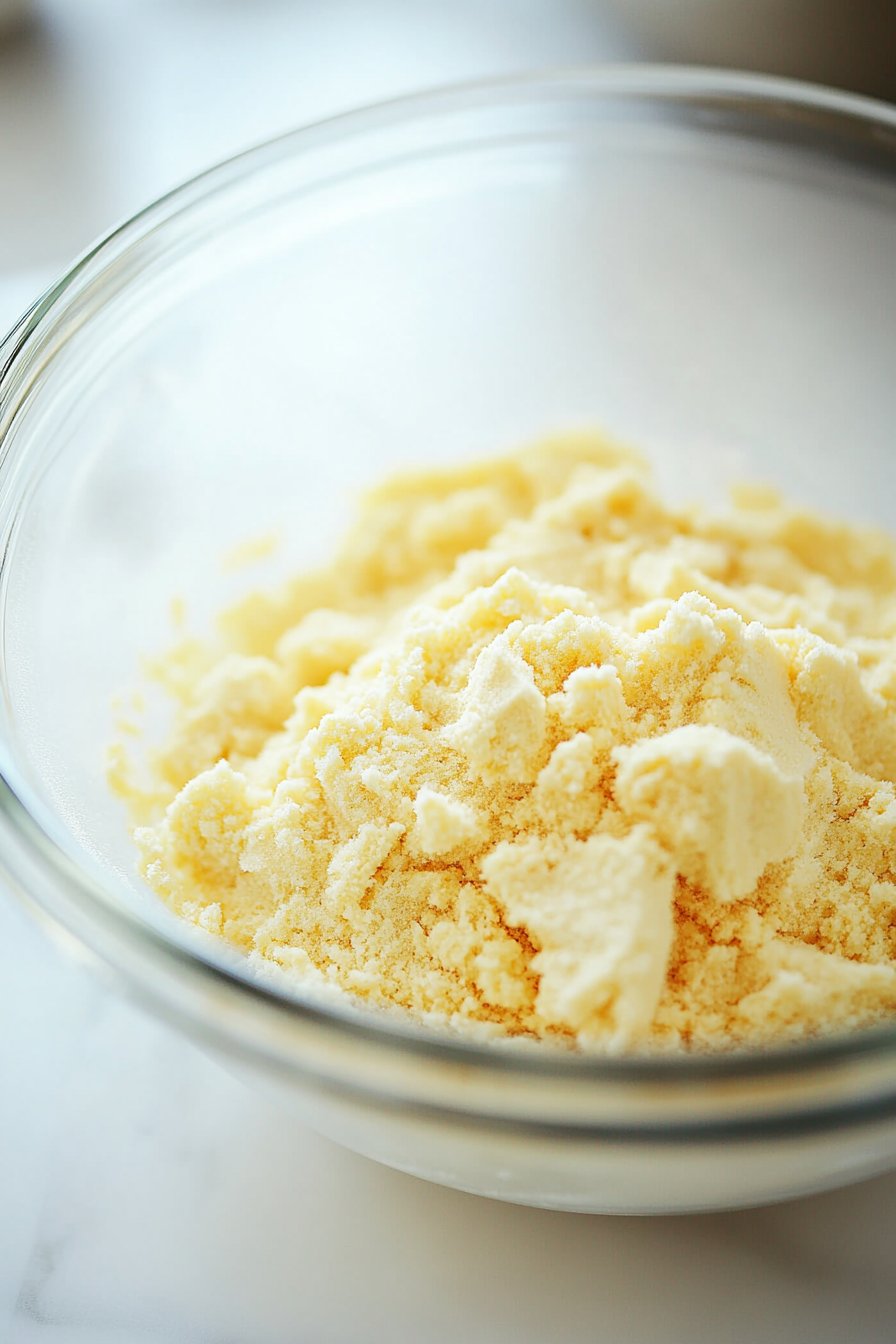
145, 1196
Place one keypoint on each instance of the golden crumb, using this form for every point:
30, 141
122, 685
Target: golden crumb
250, 551
539, 752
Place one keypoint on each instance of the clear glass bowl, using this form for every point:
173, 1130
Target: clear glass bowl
703, 263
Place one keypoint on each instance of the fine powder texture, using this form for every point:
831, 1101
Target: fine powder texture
539, 755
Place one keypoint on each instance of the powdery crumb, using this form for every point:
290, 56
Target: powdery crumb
501, 727
250, 551
539, 756
443, 823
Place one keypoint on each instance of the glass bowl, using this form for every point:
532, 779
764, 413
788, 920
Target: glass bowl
705, 264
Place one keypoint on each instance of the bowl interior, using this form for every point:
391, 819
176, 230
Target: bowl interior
724, 299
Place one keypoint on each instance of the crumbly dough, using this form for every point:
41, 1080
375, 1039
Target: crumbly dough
539, 753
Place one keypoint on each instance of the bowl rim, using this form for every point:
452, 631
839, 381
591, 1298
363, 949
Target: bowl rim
75, 901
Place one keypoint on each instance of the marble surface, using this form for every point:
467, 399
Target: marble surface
146, 1196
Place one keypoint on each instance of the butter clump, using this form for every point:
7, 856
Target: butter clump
601, 910
722, 807
541, 754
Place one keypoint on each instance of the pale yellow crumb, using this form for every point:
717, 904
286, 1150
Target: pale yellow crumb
177, 612
250, 551
538, 755
127, 726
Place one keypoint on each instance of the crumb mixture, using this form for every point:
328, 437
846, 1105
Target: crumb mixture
539, 753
